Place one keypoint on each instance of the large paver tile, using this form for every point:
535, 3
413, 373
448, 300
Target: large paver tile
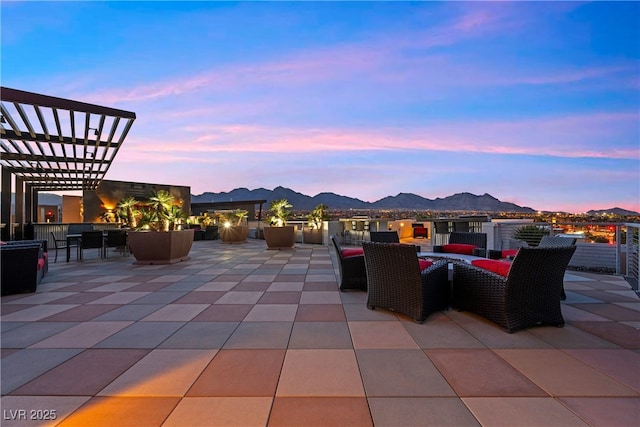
326, 373
22, 366
481, 373
420, 411
320, 411
605, 411
201, 335
240, 373
320, 335
521, 412
220, 411
141, 335
122, 412
165, 372
401, 372
176, 312
260, 335
559, 374
96, 367
82, 335
380, 335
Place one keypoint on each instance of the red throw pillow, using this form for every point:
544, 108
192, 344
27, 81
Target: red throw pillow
424, 264
40, 264
509, 252
349, 252
493, 265
459, 248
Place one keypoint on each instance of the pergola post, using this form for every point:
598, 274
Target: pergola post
19, 208
5, 204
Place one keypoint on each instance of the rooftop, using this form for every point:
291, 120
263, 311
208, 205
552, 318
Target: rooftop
242, 335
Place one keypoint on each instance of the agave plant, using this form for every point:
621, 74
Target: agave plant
280, 211
160, 202
532, 234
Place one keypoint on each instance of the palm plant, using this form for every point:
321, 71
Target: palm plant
317, 216
174, 216
280, 212
127, 209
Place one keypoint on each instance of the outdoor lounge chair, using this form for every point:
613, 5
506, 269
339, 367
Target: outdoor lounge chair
397, 281
529, 295
351, 263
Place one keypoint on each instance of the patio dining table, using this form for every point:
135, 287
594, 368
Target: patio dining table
449, 256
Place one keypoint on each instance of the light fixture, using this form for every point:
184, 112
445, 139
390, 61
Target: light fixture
95, 131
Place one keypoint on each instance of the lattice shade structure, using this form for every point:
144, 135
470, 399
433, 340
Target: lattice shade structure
58, 144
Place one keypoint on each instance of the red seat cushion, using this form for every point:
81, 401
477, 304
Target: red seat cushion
509, 252
40, 263
494, 265
348, 252
424, 264
459, 248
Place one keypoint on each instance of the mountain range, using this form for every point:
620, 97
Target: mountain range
405, 201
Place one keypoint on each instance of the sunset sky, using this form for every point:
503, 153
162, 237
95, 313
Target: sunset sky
535, 103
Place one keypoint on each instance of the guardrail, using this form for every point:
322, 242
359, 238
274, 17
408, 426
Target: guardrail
633, 248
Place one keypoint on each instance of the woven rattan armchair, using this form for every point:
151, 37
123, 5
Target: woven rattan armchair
352, 271
529, 295
396, 283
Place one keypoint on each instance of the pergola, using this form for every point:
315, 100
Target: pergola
53, 144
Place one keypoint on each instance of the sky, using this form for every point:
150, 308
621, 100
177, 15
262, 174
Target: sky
535, 103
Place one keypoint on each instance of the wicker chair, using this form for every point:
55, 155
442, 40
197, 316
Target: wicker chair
19, 268
395, 281
352, 271
92, 240
528, 296
384, 236
116, 239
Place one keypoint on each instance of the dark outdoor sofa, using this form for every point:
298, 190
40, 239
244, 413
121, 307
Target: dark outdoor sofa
24, 265
465, 243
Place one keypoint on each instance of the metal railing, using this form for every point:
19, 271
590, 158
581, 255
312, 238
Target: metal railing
633, 248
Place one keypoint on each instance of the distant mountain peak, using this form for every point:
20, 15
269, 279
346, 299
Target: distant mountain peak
458, 202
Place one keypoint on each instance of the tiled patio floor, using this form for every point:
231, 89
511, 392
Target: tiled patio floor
240, 335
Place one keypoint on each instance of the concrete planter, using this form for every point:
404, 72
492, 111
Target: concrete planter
234, 234
312, 236
280, 237
160, 247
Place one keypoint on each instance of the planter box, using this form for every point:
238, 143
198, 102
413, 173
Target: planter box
312, 236
280, 237
160, 247
234, 234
